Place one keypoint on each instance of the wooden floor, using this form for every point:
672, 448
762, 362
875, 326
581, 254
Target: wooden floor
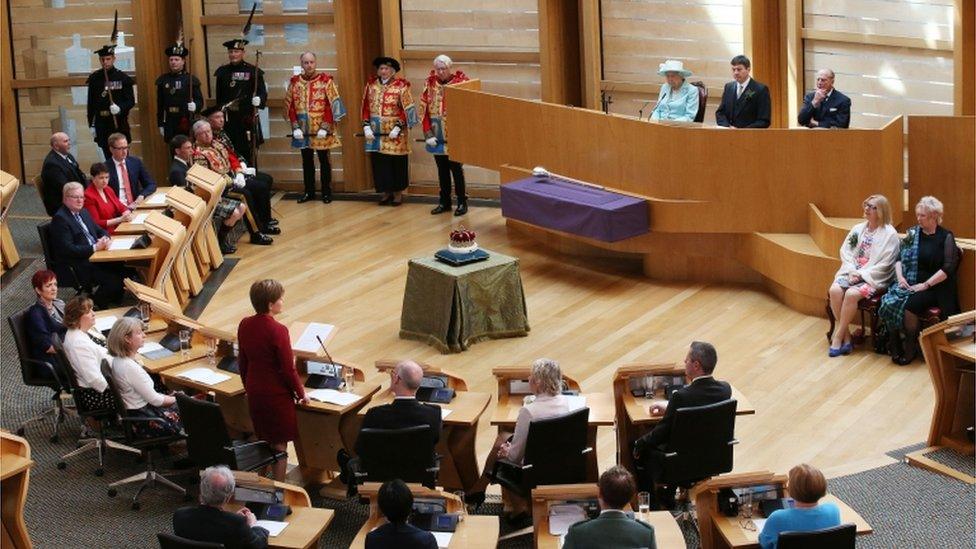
346, 263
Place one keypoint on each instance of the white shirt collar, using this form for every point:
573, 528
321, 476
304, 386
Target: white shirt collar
404, 398
184, 162
745, 84
602, 511
707, 376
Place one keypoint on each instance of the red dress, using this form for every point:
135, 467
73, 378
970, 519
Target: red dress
271, 382
103, 210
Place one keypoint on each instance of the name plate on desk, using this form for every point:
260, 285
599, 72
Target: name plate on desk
573, 208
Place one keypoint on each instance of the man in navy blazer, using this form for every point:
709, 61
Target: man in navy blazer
74, 237
745, 102
209, 523
141, 184
396, 502
59, 168
825, 107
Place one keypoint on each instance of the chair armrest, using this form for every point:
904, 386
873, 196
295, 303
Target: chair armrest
587, 450
670, 454
733, 442
50, 369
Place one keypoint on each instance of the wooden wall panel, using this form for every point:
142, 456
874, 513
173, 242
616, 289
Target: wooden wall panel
964, 57
11, 160
941, 163
929, 19
489, 25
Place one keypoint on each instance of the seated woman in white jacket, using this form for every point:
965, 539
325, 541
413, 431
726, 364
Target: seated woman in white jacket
84, 355
867, 259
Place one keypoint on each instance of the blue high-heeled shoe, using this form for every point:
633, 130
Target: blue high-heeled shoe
847, 348
833, 351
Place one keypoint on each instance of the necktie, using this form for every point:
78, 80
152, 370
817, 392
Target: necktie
126, 186
739, 89
88, 235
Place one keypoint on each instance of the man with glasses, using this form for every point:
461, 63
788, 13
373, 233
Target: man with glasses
127, 175
74, 238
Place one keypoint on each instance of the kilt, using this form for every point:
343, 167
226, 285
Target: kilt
225, 208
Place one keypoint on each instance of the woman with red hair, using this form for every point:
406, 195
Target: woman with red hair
45, 319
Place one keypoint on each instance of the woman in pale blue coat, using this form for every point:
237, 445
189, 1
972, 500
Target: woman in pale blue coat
678, 99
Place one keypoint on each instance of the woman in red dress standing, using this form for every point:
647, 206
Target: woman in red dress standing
267, 368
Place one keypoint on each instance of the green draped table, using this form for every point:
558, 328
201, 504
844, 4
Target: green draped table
453, 308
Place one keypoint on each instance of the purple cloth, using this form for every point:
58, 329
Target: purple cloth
575, 209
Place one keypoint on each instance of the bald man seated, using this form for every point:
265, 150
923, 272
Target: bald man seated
59, 167
405, 410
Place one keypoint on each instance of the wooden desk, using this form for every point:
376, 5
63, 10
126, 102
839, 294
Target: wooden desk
197, 350
474, 531
720, 531
634, 417
229, 394
305, 523
667, 534
8, 189
951, 366
601, 414
454, 381
456, 445
145, 205
15, 464
156, 322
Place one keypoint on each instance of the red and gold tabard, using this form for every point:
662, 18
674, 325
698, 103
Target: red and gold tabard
216, 158
312, 104
386, 106
435, 112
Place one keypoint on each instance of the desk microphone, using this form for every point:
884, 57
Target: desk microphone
640, 111
334, 363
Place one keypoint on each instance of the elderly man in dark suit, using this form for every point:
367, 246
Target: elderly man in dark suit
405, 410
127, 175
825, 107
613, 528
74, 238
208, 522
59, 167
745, 102
702, 389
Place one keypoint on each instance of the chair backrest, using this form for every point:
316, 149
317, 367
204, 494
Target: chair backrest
411, 460
556, 449
44, 233
206, 432
702, 99
172, 541
30, 369
838, 537
701, 442
88, 402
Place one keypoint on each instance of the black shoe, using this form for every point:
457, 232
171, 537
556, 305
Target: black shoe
273, 222
386, 200
394, 203
461, 209
475, 498
327, 198
306, 197
440, 209
226, 248
342, 458
261, 239
271, 229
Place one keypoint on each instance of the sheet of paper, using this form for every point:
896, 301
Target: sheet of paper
443, 538
139, 219
307, 342
759, 522
122, 243
149, 347
272, 526
332, 396
519, 387
445, 412
576, 402
157, 199
105, 323
561, 517
205, 376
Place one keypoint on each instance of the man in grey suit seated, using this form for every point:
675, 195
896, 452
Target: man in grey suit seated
613, 528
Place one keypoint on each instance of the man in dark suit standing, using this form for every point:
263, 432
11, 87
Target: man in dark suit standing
745, 102
405, 410
74, 238
825, 107
208, 522
396, 503
182, 149
127, 175
59, 168
613, 528
702, 389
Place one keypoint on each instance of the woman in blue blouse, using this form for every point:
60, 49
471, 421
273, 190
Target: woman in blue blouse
45, 319
806, 486
678, 99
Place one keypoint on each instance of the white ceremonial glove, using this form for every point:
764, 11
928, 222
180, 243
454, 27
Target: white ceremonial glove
191, 106
297, 134
114, 109
256, 101
368, 132
239, 181
162, 131
249, 171
243, 165
431, 141
322, 134
395, 132
92, 130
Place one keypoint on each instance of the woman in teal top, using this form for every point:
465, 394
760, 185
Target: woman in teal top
806, 485
678, 99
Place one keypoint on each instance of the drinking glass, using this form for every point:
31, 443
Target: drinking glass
212, 350
185, 344
144, 314
464, 506
745, 505
643, 503
349, 377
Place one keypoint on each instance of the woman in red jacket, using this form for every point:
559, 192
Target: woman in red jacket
267, 368
102, 203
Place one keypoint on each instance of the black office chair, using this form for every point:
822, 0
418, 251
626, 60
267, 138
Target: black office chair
413, 460
555, 453
44, 232
150, 476
95, 406
208, 443
838, 537
37, 373
172, 541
